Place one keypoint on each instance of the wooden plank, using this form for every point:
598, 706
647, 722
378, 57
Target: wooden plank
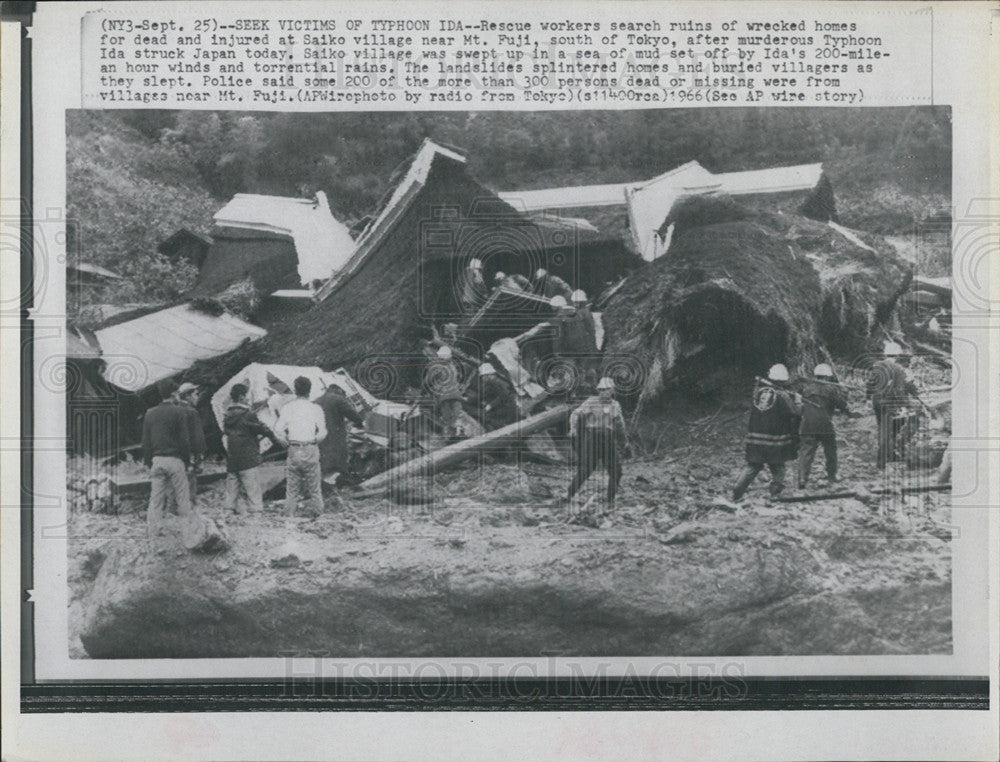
912, 489
813, 498
459, 451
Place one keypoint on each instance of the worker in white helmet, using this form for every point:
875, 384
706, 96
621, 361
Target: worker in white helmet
772, 432
497, 398
549, 284
444, 382
821, 397
473, 291
597, 431
891, 391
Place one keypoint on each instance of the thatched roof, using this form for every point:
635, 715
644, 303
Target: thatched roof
745, 290
267, 259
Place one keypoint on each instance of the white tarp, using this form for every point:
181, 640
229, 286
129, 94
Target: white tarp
322, 244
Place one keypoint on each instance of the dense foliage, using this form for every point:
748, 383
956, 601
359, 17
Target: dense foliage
134, 177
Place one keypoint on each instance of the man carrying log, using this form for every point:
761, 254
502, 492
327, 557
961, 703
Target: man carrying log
820, 399
772, 432
890, 389
301, 427
597, 431
243, 431
549, 285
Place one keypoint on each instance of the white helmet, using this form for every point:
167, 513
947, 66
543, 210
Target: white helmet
778, 373
579, 296
892, 349
475, 264
605, 383
444, 353
823, 370
557, 301
486, 369
541, 272
500, 275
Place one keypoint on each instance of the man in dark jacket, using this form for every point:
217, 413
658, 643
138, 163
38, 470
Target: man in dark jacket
186, 397
166, 449
497, 399
890, 390
334, 454
772, 433
243, 431
820, 398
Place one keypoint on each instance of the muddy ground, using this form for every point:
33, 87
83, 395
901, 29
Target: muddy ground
493, 568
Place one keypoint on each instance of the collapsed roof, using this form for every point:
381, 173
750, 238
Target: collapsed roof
743, 290
276, 241
162, 344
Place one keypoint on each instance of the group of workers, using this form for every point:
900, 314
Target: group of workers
789, 424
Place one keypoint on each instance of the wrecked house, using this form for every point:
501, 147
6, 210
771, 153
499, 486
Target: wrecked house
273, 242
742, 290
405, 274
138, 353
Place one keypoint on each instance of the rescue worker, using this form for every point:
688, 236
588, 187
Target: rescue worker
166, 450
890, 389
243, 431
585, 338
334, 453
515, 282
497, 399
549, 285
444, 382
568, 340
301, 427
474, 291
187, 397
820, 398
772, 431
597, 432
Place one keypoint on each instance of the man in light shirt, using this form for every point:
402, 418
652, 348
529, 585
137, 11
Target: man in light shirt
301, 427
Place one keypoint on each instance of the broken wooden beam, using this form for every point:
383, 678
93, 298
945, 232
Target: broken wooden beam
912, 489
939, 286
818, 496
459, 451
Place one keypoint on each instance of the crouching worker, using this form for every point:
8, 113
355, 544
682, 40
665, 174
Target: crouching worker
243, 431
597, 431
820, 399
773, 431
301, 427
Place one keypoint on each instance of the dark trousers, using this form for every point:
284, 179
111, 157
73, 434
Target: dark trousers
596, 447
750, 473
889, 429
807, 451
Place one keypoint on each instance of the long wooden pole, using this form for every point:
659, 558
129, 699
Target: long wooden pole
456, 453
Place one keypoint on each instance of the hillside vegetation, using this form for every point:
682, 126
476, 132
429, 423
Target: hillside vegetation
134, 177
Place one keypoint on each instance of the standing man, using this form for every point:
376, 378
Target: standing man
444, 382
166, 449
773, 430
890, 390
584, 331
820, 398
334, 454
549, 285
301, 427
243, 431
187, 398
474, 291
597, 431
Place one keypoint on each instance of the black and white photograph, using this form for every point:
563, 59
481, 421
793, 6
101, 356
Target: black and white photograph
509, 383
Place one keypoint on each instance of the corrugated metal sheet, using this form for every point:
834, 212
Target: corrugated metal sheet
162, 344
323, 245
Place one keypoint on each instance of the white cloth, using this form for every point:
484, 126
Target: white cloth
301, 421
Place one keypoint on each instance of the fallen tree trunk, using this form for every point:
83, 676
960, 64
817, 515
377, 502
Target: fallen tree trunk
456, 453
939, 286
